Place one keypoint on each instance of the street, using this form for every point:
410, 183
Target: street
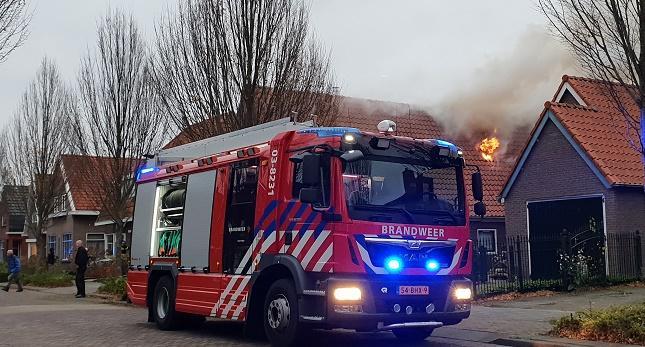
62, 320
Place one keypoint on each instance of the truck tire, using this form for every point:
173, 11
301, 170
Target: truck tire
163, 304
280, 314
412, 334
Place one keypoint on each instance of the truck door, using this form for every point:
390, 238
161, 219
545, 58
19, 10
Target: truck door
311, 239
238, 239
197, 290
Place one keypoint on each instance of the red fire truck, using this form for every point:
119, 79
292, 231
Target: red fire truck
315, 227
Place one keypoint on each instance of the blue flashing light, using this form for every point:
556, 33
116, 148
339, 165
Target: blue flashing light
146, 170
329, 131
432, 265
445, 143
394, 264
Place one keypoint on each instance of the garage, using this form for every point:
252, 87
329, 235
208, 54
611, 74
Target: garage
573, 224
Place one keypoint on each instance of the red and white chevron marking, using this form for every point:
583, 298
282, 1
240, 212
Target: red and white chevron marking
232, 300
313, 253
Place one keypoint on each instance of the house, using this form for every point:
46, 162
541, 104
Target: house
77, 213
13, 207
365, 114
578, 180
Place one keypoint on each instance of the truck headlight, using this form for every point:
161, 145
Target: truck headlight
348, 294
463, 293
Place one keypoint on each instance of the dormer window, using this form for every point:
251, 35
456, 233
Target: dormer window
568, 98
60, 203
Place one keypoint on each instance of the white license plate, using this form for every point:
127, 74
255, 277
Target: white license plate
414, 290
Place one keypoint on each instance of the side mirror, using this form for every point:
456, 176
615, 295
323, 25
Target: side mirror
478, 186
351, 156
311, 170
480, 208
311, 196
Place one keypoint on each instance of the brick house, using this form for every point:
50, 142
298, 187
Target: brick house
77, 213
577, 177
365, 114
13, 207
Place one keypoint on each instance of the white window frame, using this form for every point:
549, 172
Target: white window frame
55, 243
494, 236
3, 221
66, 256
115, 245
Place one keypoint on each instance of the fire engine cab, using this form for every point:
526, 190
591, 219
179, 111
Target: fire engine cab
288, 227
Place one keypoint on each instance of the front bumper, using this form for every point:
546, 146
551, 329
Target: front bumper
376, 310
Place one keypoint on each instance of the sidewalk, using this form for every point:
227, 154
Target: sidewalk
91, 287
526, 322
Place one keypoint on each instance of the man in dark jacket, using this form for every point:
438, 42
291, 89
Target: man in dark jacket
14, 271
81, 263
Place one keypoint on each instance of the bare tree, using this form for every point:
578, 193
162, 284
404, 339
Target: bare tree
118, 111
38, 136
223, 65
14, 18
5, 173
608, 38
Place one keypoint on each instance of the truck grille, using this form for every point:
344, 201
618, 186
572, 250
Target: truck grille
414, 253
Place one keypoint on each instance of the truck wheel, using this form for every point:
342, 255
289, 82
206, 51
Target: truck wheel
281, 314
163, 304
412, 334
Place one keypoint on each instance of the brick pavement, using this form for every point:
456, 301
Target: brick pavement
49, 318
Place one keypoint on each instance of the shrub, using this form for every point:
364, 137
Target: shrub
48, 279
103, 269
4, 272
113, 285
622, 324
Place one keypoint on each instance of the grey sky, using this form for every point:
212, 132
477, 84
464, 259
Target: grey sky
417, 51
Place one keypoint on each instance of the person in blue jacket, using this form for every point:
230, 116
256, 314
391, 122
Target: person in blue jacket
14, 271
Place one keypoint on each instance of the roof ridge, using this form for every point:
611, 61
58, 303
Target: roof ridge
548, 104
566, 78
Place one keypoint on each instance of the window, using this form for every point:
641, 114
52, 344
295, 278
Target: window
487, 239
298, 183
240, 214
404, 192
68, 246
109, 244
96, 244
60, 203
51, 243
3, 221
2, 253
297, 180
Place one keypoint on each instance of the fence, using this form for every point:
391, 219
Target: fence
558, 262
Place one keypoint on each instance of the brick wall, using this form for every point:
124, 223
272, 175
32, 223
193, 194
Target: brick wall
553, 170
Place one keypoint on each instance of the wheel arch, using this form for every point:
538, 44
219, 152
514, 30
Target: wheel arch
157, 271
272, 268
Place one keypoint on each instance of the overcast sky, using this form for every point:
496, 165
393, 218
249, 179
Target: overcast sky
417, 51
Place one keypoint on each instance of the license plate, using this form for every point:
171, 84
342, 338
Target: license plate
414, 290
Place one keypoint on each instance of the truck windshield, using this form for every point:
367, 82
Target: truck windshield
393, 192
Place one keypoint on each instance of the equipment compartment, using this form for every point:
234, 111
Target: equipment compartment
169, 217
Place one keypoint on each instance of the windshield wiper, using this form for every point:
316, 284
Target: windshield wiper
385, 208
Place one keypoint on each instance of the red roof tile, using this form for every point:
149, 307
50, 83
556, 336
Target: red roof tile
80, 174
600, 129
365, 115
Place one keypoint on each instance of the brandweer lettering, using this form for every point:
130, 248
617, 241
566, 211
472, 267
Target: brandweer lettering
412, 231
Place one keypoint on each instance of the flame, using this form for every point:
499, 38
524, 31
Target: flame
488, 146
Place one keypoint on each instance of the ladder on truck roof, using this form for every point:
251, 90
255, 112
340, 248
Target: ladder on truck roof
236, 139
